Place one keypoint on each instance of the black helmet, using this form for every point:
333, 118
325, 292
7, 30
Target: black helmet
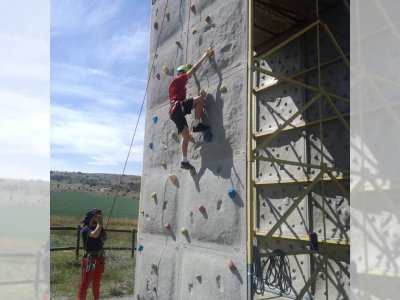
90, 214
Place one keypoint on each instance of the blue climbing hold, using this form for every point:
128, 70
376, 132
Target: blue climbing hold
140, 248
154, 119
207, 136
231, 192
151, 146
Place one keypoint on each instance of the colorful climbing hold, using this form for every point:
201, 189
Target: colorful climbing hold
172, 177
222, 89
202, 209
193, 171
194, 31
167, 15
165, 69
158, 76
163, 164
210, 51
151, 146
202, 93
140, 248
155, 25
178, 43
208, 19
167, 226
142, 212
153, 195
154, 119
198, 277
207, 136
173, 133
154, 267
231, 192
230, 264
184, 231
193, 8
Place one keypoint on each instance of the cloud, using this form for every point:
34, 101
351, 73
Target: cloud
102, 137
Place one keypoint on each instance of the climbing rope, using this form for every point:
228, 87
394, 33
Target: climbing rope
140, 113
187, 33
277, 274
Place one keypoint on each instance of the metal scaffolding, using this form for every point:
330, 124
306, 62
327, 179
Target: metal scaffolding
316, 95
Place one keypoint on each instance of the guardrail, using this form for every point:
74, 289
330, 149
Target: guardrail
77, 247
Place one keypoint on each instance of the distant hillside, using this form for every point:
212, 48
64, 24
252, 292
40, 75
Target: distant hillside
104, 184
13, 191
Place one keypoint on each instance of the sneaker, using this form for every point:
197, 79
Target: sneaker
201, 128
186, 165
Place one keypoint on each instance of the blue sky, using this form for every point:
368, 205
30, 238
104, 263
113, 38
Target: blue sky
98, 62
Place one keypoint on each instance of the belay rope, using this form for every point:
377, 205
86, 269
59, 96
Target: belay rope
138, 119
277, 274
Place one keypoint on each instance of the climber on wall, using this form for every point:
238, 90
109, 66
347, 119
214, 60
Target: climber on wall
180, 106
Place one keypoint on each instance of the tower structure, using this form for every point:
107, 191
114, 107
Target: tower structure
272, 179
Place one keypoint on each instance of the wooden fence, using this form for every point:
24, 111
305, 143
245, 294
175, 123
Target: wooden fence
77, 247
37, 256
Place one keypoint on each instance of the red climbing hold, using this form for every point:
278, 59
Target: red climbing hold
208, 19
178, 43
142, 212
193, 8
163, 164
202, 209
155, 25
230, 264
167, 226
158, 76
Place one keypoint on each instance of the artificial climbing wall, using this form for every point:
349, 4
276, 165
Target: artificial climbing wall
317, 136
192, 227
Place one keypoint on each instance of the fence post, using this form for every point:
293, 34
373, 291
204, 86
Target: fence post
78, 233
37, 274
133, 242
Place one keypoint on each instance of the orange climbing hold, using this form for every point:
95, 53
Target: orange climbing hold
230, 264
208, 19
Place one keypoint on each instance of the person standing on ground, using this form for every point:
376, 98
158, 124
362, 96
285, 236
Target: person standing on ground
93, 236
180, 106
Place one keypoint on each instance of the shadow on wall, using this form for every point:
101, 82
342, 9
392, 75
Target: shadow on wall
219, 148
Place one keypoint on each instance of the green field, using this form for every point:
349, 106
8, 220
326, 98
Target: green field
75, 204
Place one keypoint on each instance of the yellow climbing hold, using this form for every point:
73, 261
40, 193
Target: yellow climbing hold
203, 93
173, 133
172, 177
210, 51
165, 69
167, 15
222, 89
153, 195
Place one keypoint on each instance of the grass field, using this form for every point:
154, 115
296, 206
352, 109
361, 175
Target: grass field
75, 204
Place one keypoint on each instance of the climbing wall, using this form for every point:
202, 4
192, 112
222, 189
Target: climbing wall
192, 226
317, 136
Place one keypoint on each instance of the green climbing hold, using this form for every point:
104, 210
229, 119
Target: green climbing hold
184, 230
154, 267
194, 31
222, 89
153, 195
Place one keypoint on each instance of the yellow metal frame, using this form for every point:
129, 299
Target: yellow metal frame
256, 141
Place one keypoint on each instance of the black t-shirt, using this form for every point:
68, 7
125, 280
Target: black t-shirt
91, 243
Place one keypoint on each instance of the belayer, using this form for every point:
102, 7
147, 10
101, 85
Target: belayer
93, 236
180, 106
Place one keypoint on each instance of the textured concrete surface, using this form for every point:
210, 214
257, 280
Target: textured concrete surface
193, 265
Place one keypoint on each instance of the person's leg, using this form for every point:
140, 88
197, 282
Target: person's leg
198, 104
185, 141
85, 281
97, 274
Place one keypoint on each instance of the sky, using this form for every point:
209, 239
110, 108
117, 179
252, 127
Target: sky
24, 89
98, 67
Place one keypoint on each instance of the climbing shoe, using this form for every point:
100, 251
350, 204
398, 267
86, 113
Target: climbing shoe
186, 165
201, 128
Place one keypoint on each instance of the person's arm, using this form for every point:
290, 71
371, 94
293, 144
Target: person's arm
197, 65
95, 233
